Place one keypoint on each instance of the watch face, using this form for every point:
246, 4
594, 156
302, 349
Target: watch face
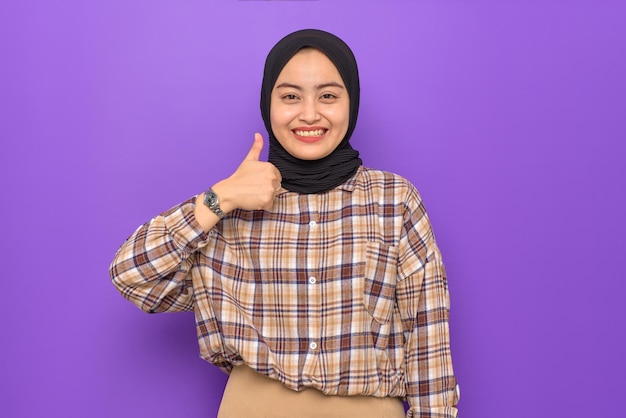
212, 199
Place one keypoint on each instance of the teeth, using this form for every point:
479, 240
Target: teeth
318, 132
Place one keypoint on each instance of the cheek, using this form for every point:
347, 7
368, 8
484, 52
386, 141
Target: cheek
279, 116
272, 112
342, 118
279, 121
275, 122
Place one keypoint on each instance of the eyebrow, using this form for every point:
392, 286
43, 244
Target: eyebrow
318, 87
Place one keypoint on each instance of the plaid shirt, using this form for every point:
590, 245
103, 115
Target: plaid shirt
343, 291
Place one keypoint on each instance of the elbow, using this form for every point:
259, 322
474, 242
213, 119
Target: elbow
117, 278
128, 288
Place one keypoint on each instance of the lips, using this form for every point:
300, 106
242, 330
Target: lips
309, 133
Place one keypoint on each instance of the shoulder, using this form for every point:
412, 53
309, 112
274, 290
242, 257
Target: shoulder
373, 175
387, 183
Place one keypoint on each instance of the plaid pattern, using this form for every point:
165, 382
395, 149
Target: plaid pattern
343, 291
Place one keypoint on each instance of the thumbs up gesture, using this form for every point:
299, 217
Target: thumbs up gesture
253, 185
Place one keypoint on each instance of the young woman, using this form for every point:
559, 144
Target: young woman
316, 282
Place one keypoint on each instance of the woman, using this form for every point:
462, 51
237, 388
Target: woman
316, 282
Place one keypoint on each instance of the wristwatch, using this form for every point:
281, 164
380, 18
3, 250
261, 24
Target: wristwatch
213, 203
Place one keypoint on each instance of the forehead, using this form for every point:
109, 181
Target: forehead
310, 63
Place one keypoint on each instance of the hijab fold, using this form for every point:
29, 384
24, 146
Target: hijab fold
313, 176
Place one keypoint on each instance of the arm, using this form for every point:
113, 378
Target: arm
151, 269
423, 301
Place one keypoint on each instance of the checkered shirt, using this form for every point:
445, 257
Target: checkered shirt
343, 291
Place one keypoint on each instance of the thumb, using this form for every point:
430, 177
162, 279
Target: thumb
255, 151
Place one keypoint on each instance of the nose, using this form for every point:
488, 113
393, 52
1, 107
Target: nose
309, 113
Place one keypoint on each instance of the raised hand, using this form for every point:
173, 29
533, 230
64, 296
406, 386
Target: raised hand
253, 185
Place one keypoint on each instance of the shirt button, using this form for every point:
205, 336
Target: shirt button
312, 223
312, 280
313, 346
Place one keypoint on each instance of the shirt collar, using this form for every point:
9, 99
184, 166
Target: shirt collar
351, 183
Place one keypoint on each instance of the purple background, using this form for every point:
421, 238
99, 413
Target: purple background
507, 115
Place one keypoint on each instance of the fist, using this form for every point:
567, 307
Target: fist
253, 185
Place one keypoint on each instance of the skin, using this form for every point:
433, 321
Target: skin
309, 113
310, 106
252, 186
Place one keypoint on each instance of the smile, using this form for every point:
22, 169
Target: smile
316, 132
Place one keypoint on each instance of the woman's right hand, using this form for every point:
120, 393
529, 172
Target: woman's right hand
252, 186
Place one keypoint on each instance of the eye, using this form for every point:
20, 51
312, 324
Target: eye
328, 97
290, 97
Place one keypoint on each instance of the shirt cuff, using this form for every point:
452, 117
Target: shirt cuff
442, 412
437, 412
181, 224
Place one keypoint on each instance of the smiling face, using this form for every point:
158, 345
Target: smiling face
310, 106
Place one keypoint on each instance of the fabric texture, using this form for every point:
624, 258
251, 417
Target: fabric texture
343, 291
304, 176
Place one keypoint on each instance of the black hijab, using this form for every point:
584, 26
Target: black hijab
313, 176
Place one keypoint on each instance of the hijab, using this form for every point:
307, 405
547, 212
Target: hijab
313, 176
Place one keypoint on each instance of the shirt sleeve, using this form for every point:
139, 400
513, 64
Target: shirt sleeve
152, 268
424, 305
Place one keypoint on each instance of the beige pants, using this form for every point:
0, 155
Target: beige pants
251, 394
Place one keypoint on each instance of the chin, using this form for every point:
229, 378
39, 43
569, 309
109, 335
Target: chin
310, 156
